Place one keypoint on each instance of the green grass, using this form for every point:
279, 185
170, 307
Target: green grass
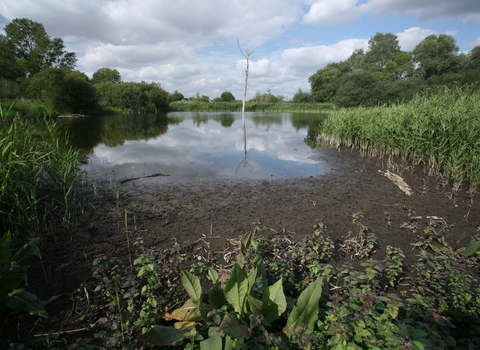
250, 106
37, 173
441, 130
25, 108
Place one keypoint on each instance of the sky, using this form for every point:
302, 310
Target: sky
193, 45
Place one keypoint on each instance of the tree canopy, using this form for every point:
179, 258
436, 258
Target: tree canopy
227, 96
106, 75
27, 49
386, 74
63, 91
436, 55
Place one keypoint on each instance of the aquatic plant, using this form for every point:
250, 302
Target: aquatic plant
438, 129
34, 164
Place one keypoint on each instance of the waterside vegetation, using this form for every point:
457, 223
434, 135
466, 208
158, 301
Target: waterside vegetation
181, 106
438, 129
37, 174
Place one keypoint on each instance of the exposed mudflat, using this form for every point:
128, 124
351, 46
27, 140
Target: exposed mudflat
210, 211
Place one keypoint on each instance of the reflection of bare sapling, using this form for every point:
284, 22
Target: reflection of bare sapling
245, 54
244, 161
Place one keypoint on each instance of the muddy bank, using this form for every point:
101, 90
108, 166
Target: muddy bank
111, 216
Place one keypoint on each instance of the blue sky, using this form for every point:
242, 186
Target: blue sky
191, 45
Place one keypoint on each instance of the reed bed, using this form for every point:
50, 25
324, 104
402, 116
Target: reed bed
250, 106
37, 173
28, 109
441, 129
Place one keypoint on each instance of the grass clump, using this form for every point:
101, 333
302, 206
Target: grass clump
34, 166
441, 130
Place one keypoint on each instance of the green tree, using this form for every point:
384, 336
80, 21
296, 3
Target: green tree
106, 75
436, 55
267, 97
31, 50
401, 66
325, 82
474, 58
175, 96
227, 96
381, 49
355, 89
63, 91
357, 60
133, 97
9, 69
302, 97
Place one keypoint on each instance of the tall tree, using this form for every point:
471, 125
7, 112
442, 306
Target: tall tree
436, 55
401, 66
63, 91
227, 96
175, 96
382, 48
474, 57
106, 75
325, 82
32, 50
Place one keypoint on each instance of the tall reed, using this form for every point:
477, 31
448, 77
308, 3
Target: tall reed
440, 129
37, 173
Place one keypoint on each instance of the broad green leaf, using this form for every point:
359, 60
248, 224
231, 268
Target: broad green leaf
418, 344
217, 298
274, 301
213, 275
252, 277
255, 305
21, 260
214, 341
236, 289
261, 280
240, 260
231, 326
306, 309
162, 336
230, 343
472, 248
248, 241
191, 283
187, 312
450, 341
11, 282
5, 252
21, 301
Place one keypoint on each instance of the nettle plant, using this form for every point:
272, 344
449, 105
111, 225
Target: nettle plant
13, 273
241, 311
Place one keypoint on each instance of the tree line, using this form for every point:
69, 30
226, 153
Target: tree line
35, 66
385, 74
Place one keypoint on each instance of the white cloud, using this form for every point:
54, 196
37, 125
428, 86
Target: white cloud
476, 42
329, 12
410, 38
335, 12
191, 45
311, 58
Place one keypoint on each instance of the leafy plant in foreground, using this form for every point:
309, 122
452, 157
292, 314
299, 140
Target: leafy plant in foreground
241, 313
13, 272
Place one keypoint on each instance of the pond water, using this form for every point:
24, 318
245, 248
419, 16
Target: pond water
199, 144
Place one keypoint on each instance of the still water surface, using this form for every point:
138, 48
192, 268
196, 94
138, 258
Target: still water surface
199, 144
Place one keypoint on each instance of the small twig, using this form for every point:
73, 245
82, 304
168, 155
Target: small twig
60, 333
